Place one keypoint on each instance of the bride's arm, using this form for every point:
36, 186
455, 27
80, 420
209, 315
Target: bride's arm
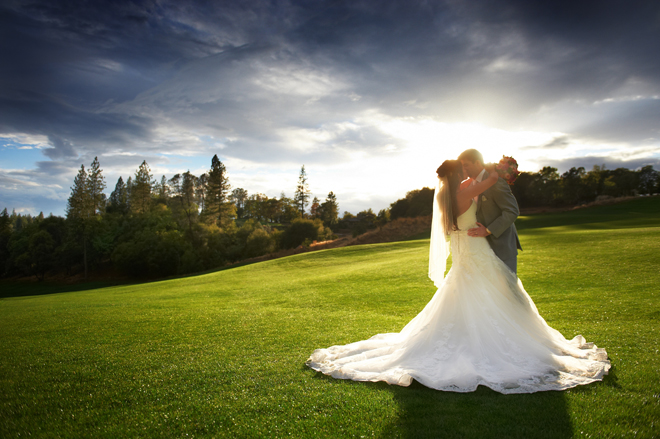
474, 190
464, 184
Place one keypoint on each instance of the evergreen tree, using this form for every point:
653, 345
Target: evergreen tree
5, 224
129, 191
162, 190
217, 190
95, 187
141, 190
119, 198
330, 210
187, 198
301, 196
86, 201
78, 203
17, 221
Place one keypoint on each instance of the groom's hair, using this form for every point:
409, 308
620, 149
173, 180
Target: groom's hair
472, 155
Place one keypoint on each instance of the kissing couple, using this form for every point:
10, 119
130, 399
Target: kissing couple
481, 327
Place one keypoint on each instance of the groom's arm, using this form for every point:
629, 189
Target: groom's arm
507, 203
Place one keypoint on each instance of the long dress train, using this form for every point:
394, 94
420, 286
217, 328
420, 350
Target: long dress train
480, 327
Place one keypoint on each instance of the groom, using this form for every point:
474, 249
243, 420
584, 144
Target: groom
497, 210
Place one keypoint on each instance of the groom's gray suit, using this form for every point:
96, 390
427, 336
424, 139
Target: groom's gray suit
497, 209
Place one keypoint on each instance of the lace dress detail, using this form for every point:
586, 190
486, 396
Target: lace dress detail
480, 328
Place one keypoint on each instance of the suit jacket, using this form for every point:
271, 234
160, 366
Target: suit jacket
497, 209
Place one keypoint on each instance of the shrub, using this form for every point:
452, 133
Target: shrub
300, 230
259, 243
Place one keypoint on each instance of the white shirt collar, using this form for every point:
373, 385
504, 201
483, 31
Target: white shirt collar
480, 176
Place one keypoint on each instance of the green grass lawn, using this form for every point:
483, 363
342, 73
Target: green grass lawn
222, 354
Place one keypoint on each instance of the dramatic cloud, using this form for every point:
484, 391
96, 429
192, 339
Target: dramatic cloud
369, 95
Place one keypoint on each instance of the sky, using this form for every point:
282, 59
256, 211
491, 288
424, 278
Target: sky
370, 96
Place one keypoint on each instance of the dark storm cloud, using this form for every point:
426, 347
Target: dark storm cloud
516, 54
484, 60
65, 123
61, 148
287, 81
62, 61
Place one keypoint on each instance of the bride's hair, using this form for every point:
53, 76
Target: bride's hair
451, 174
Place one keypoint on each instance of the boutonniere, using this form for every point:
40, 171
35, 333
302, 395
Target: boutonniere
483, 198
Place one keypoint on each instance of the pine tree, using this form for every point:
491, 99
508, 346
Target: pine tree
95, 186
330, 210
129, 191
77, 205
217, 189
86, 201
5, 226
141, 190
187, 196
188, 184
301, 196
119, 198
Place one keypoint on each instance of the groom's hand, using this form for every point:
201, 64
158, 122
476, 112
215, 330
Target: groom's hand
480, 231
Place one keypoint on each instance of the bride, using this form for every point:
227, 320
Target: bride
480, 328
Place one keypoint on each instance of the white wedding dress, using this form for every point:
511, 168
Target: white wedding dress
480, 328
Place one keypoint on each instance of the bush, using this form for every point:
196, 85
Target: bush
259, 243
300, 230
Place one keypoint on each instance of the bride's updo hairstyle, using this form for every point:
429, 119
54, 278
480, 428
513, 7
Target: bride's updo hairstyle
451, 174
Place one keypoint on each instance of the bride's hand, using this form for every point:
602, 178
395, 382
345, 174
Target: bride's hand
492, 171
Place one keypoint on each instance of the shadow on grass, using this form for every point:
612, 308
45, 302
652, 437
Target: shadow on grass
429, 413
484, 413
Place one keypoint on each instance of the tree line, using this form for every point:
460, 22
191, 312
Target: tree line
549, 188
188, 223
578, 186
532, 189
156, 228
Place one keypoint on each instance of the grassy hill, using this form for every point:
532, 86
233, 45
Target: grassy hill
222, 354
